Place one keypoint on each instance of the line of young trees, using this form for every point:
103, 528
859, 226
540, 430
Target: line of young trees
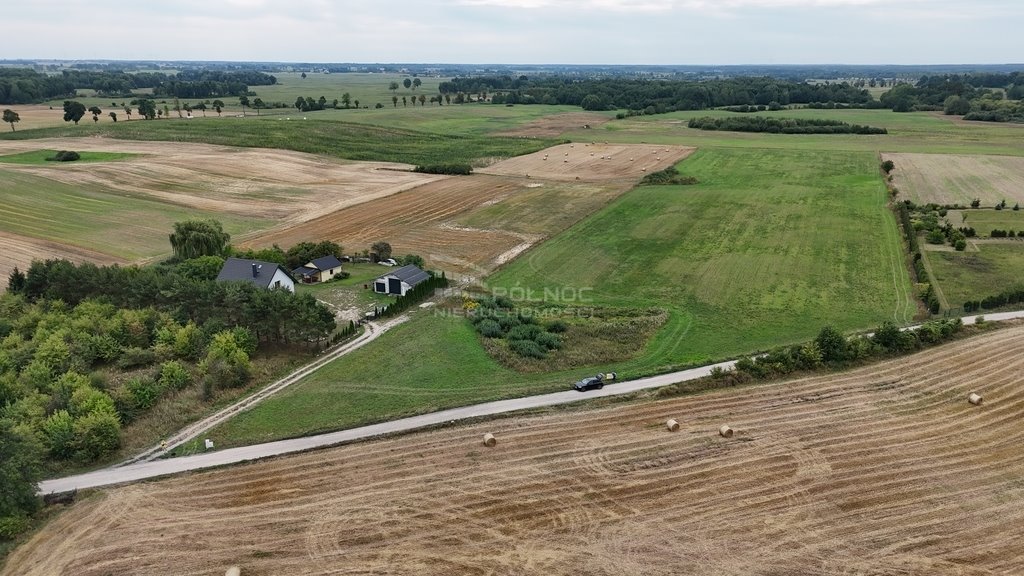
413, 296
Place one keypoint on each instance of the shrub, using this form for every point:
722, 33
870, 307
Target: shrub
888, 166
451, 169
548, 340
960, 245
173, 375
558, 327
144, 392
527, 348
134, 357
524, 332
11, 526
64, 156
59, 431
97, 434
489, 328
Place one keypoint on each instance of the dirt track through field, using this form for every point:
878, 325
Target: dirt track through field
886, 470
590, 162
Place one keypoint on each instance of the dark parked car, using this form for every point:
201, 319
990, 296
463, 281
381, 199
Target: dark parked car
594, 382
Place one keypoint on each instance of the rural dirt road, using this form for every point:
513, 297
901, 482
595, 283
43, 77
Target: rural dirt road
152, 469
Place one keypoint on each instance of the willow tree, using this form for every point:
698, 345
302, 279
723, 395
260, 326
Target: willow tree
195, 238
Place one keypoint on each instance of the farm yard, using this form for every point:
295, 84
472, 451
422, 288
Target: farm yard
885, 469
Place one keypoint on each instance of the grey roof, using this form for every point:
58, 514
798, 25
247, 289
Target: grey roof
326, 262
304, 271
238, 269
410, 274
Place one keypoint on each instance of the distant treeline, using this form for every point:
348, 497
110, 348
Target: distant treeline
782, 125
989, 97
23, 86
652, 96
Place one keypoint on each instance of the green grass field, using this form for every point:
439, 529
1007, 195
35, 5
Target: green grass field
984, 221
86, 216
427, 364
338, 139
768, 248
975, 275
39, 157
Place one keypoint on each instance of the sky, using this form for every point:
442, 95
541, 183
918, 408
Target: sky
641, 32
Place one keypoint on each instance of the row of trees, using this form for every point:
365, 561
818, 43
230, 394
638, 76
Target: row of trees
23, 86
990, 97
782, 125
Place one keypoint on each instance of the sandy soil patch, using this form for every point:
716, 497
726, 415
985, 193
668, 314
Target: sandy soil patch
20, 251
592, 162
266, 183
958, 179
556, 125
886, 470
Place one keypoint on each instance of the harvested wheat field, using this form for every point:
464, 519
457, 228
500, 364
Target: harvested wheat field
958, 179
428, 220
886, 470
556, 124
256, 182
20, 251
592, 162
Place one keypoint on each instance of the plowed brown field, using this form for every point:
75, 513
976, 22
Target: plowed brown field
885, 470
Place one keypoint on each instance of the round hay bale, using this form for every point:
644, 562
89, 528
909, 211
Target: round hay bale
672, 425
233, 571
725, 431
975, 399
490, 440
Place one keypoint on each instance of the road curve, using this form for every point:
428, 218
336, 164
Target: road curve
143, 470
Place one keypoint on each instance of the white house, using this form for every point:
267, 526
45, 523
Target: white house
399, 281
266, 275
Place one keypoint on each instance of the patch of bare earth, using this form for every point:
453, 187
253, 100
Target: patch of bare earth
884, 470
556, 125
20, 251
591, 162
958, 179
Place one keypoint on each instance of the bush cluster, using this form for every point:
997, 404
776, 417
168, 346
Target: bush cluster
1013, 295
497, 318
782, 125
64, 156
451, 169
668, 176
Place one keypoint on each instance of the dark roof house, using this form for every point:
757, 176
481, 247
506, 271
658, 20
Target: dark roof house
321, 269
400, 280
267, 275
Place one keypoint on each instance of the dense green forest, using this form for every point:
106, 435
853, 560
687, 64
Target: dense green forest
653, 96
783, 125
23, 86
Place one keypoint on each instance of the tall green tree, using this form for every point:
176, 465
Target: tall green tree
95, 111
416, 83
73, 111
393, 86
20, 471
128, 112
394, 101
346, 100
380, 250
258, 105
218, 105
407, 83
195, 238
243, 101
11, 117
113, 115
147, 108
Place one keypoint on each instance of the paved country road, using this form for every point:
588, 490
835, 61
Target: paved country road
152, 469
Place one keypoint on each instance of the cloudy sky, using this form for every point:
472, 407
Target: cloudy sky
522, 31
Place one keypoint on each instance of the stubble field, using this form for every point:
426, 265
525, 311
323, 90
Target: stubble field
958, 179
885, 470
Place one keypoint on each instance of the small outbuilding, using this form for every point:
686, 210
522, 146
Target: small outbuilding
322, 269
267, 275
399, 281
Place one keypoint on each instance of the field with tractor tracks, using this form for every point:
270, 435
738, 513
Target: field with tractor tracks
883, 470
